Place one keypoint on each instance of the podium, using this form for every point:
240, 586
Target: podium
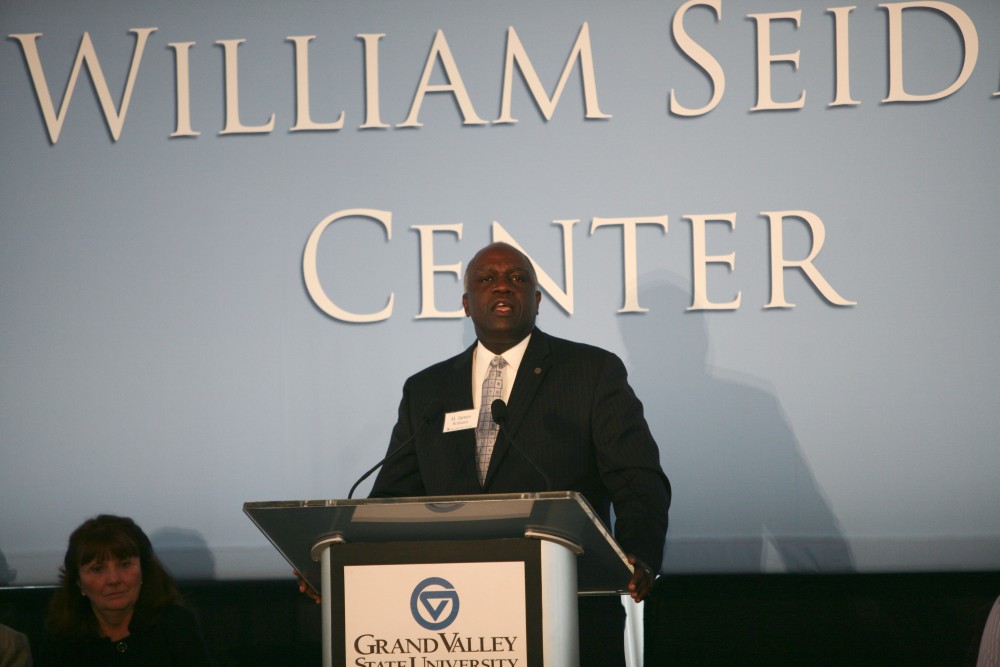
491, 580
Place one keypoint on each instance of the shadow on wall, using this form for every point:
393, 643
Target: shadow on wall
184, 553
744, 499
7, 575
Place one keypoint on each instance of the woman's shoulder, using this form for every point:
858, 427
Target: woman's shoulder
175, 632
177, 613
60, 650
172, 619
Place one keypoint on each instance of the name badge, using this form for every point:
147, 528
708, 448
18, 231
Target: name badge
459, 421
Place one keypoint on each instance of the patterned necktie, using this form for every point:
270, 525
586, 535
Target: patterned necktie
486, 428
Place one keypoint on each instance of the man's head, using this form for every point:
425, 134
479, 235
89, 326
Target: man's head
501, 296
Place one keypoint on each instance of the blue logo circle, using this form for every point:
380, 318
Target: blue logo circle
434, 603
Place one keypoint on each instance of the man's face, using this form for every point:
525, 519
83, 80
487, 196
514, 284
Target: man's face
501, 296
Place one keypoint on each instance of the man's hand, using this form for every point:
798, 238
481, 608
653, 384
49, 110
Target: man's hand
642, 579
306, 588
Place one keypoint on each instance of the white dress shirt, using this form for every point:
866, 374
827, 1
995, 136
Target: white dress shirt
481, 365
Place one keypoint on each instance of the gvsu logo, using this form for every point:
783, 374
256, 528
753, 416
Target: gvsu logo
434, 603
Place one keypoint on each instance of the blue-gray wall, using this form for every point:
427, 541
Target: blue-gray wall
161, 355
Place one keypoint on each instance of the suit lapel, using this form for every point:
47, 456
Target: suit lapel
530, 374
457, 396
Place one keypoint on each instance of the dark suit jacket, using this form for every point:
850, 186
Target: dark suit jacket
571, 411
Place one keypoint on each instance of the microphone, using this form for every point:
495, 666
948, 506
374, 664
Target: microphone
499, 410
430, 414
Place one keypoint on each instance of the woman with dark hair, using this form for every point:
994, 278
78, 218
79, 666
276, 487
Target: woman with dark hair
117, 605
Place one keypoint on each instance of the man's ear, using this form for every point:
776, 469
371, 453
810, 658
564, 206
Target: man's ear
465, 304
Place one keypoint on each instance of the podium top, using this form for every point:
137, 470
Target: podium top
294, 527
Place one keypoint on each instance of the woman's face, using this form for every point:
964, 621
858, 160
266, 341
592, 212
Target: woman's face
112, 585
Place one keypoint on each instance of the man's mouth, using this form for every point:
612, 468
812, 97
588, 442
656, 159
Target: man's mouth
502, 307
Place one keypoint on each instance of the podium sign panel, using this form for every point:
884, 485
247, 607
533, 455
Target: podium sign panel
427, 603
435, 614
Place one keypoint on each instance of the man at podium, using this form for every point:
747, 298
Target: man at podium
568, 421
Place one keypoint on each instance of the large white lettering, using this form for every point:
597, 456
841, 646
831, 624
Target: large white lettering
700, 57
455, 85
700, 260
517, 55
373, 105
182, 64
303, 117
233, 123
630, 259
429, 269
842, 49
563, 298
115, 117
440, 59
779, 263
310, 272
970, 43
765, 102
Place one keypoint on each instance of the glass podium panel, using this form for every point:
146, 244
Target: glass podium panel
296, 527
